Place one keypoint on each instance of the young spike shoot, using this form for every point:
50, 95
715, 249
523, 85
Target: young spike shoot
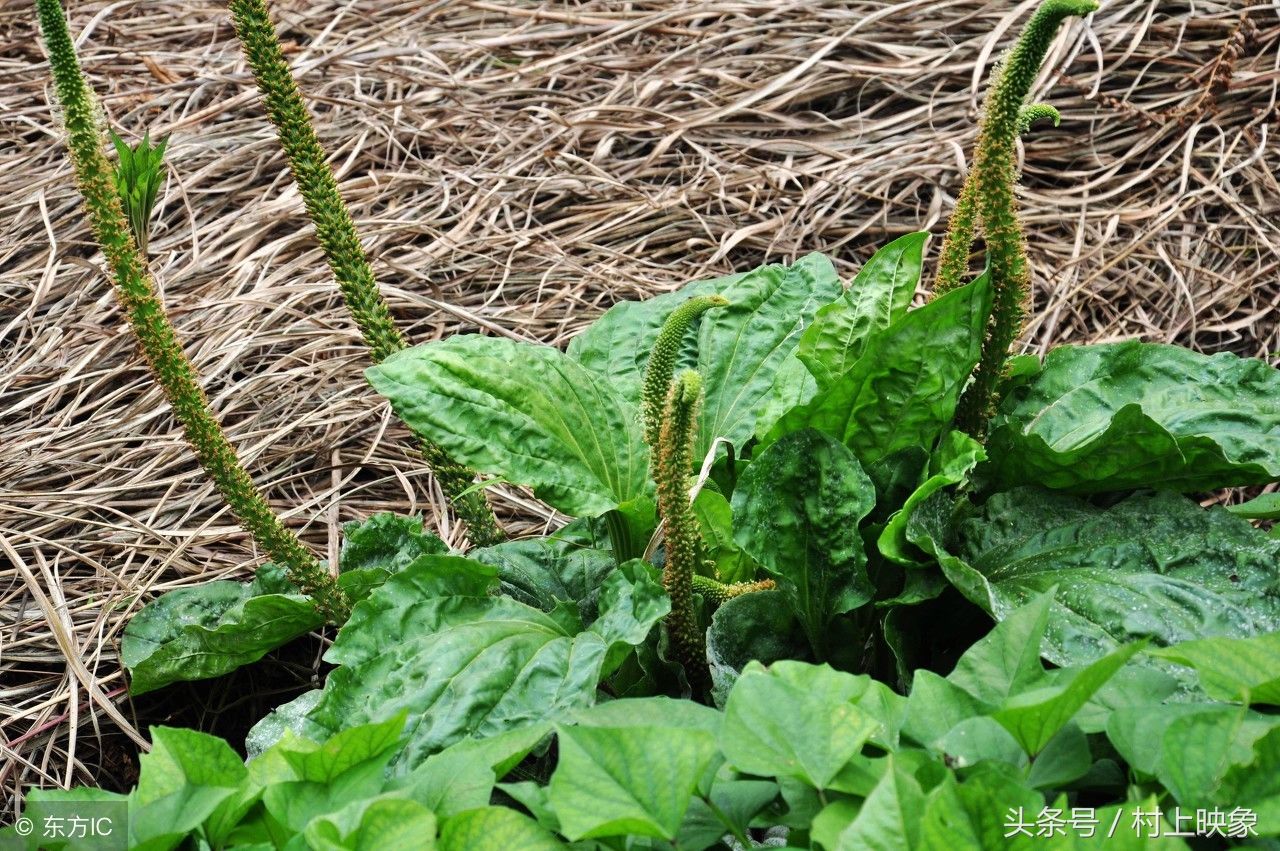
138, 175
672, 462
136, 293
337, 235
988, 195
662, 360
718, 593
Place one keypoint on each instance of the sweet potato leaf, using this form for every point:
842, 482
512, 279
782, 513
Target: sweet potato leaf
1244, 670
523, 411
1128, 415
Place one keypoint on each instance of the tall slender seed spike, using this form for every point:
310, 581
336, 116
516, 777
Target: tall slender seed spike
673, 460
988, 195
662, 360
337, 235
156, 337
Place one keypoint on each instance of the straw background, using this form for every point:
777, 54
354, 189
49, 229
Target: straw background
516, 168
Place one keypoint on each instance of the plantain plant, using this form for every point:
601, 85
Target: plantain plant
156, 337
337, 235
851, 541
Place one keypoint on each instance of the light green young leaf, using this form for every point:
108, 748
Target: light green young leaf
737, 349
211, 629
495, 827
1262, 507
183, 780
1245, 670
796, 720
376, 825
1129, 415
903, 390
1006, 661
627, 781
878, 297
527, 412
889, 820
1154, 566
797, 509
715, 522
1034, 717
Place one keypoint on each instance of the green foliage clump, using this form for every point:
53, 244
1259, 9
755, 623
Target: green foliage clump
138, 175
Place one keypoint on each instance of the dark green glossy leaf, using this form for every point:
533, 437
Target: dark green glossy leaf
797, 509
877, 298
544, 572
526, 412
462, 663
903, 390
739, 348
956, 456
211, 629
760, 626
1154, 566
1129, 415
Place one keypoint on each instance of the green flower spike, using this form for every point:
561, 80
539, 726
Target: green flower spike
155, 334
674, 457
717, 593
337, 235
662, 360
988, 195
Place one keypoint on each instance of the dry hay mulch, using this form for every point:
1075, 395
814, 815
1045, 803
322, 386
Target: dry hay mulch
516, 169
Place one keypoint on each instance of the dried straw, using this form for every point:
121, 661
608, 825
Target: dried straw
516, 169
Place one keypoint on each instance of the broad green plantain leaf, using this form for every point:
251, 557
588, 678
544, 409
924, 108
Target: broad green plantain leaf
211, 629
495, 827
903, 390
1128, 415
796, 720
715, 521
759, 626
544, 572
878, 297
1154, 566
465, 664
956, 456
797, 509
379, 546
738, 349
627, 781
523, 411
1245, 670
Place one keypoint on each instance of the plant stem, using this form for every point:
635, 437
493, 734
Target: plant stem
988, 195
169, 364
337, 235
672, 461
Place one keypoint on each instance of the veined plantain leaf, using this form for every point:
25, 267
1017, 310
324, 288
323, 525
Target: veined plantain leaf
1154, 566
878, 297
1129, 415
903, 390
465, 664
211, 629
737, 349
523, 411
797, 509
